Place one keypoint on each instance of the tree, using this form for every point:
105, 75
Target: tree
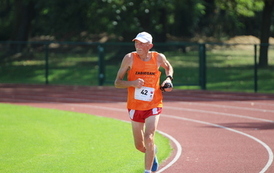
129, 17
265, 32
248, 8
186, 16
67, 19
24, 14
5, 19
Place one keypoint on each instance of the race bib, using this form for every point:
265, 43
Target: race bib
144, 93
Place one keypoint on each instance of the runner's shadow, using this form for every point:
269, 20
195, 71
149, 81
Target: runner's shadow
254, 126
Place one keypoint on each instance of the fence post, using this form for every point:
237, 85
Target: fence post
202, 66
46, 63
101, 64
255, 69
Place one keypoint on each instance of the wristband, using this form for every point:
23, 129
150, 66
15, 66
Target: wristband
170, 77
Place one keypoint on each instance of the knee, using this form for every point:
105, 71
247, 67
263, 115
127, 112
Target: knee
149, 139
140, 147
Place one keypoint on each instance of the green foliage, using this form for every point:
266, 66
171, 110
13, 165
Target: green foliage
241, 7
71, 20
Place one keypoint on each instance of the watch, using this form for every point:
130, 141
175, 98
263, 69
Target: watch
170, 77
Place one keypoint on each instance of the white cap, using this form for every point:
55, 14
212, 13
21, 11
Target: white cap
143, 37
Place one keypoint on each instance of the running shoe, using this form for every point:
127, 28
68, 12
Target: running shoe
155, 164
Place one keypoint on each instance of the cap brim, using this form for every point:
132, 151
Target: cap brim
141, 40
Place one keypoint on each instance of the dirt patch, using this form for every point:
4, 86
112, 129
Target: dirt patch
244, 42
247, 39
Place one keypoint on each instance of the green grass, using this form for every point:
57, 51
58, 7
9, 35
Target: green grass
44, 140
226, 70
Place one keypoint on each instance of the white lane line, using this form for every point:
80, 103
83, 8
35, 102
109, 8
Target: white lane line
226, 106
178, 153
178, 149
268, 149
219, 113
186, 109
192, 110
231, 98
166, 107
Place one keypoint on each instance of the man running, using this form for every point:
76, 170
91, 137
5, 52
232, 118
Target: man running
144, 100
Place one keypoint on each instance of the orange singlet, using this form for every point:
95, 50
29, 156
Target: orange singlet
150, 95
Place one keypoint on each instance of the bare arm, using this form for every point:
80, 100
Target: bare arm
163, 62
125, 66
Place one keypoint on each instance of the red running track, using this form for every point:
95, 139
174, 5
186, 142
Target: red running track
218, 132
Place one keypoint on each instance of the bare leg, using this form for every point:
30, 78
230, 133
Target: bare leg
138, 135
143, 134
150, 128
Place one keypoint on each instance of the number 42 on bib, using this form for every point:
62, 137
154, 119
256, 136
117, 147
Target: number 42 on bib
144, 93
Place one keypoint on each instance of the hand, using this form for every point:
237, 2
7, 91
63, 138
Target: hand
138, 83
167, 86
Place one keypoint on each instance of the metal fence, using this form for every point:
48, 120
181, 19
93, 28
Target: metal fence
231, 67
